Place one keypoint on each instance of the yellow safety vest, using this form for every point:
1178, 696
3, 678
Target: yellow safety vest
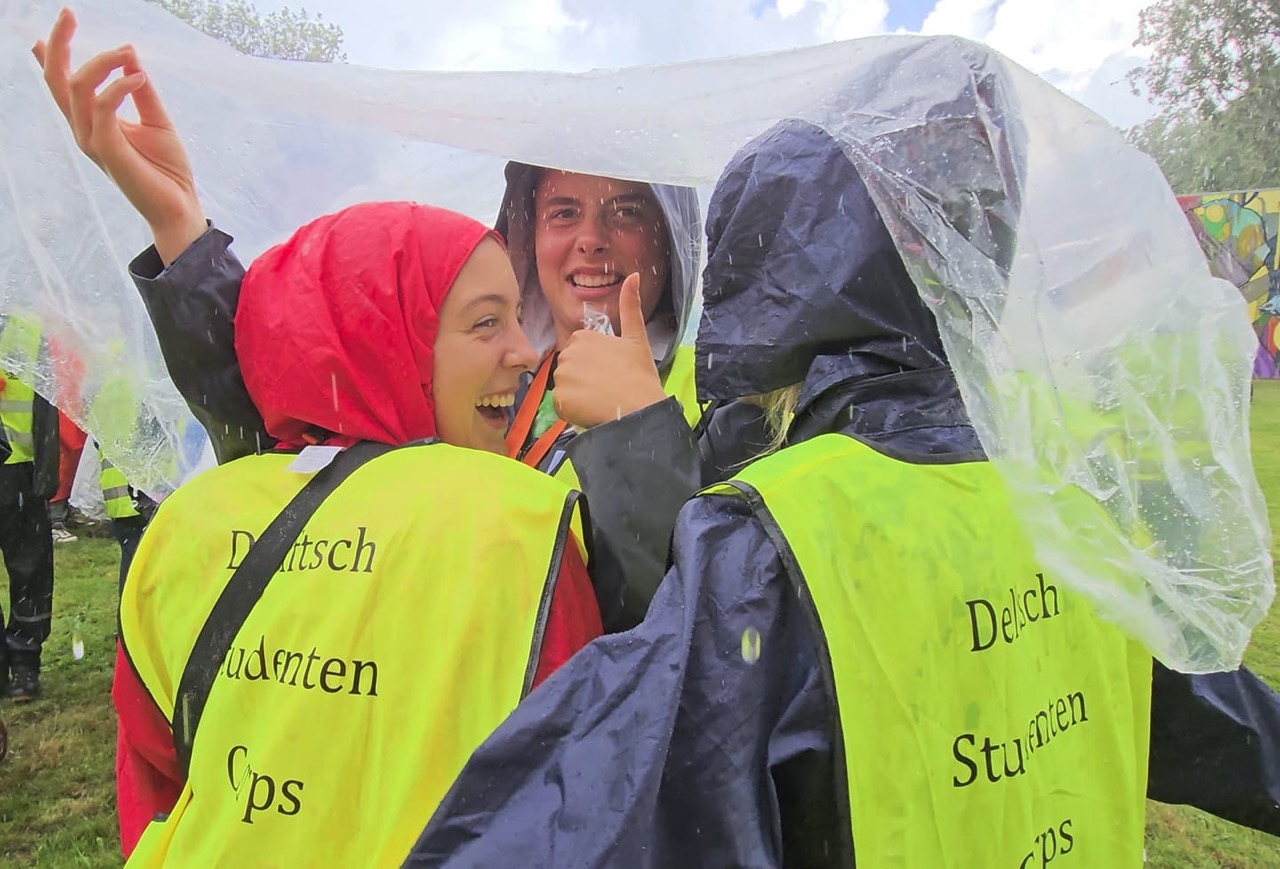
988, 717
677, 383
113, 413
404, 625
20, 340
116, 497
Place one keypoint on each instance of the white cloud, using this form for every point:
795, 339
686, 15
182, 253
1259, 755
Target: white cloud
1084, 47
968, 18
848, 19
1068, 41
531, 31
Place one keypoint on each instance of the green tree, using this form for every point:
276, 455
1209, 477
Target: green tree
285, 35
1215, 73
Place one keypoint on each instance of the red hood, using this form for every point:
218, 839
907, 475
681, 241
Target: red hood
335, 327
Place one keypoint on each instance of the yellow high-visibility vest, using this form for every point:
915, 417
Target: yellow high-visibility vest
20, 340
116, 497
988, 716
404, 624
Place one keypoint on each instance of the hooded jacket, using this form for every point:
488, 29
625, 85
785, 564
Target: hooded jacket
669, 321
660, 746
335, 335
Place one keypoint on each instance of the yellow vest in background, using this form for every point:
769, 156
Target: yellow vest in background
989, 718
19, 340
116, 497
403, 626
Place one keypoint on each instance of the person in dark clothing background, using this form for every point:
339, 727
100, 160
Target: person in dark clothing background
709, 734
28, 477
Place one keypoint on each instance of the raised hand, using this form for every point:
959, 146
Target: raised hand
601, 377
146, 159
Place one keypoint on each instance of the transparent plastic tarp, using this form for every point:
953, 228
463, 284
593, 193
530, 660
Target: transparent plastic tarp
1106, 371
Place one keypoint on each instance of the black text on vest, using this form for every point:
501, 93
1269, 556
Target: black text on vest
1050, 844
262, 790
1058, 716
1029, 606
286, 666
344, 554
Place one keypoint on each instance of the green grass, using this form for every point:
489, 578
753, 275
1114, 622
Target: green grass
57, 787
1183, 838
57, 805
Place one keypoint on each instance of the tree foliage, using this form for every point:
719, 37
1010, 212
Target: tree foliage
285, 35
1215, 73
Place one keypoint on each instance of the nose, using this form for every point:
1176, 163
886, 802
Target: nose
593, 238
520, 354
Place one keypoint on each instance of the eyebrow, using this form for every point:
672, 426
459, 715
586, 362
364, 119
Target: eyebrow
485, 299
621, 198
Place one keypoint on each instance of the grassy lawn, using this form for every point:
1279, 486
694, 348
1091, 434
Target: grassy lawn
56, 788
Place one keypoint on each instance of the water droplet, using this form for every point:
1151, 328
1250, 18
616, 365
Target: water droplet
751, 645
77, 647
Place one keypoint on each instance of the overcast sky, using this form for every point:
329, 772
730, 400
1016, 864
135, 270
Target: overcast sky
1084, 47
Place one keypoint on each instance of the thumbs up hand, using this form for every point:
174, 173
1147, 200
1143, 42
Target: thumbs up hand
600, 377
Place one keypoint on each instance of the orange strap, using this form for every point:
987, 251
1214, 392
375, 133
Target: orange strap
543, 444
523, 423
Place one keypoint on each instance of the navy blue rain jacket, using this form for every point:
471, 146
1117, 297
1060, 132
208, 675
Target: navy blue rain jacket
662, 746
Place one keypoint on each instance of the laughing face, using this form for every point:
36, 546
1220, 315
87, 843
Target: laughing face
591, 233
480, 352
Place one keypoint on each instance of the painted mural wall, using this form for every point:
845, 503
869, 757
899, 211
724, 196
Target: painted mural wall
1237, 232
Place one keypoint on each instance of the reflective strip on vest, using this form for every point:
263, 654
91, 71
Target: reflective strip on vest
677, 383
989, 718
116, 495
19, 343
403, 626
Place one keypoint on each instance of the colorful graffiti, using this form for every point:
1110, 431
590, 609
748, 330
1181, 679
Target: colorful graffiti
1238, 232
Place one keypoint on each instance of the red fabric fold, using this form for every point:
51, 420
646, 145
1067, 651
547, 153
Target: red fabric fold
335, 327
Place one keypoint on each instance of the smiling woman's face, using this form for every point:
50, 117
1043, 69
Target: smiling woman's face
480, 352
590, 233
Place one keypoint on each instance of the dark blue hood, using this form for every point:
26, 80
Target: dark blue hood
800, 267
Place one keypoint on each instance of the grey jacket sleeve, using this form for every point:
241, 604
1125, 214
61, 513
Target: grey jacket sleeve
636, 473
192, 305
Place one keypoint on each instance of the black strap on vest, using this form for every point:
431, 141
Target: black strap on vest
245, 588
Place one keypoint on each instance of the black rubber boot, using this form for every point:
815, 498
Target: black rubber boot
24, 682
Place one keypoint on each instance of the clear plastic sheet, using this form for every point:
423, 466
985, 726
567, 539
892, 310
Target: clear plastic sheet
1106, 371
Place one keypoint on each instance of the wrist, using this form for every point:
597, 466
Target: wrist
174, 236
641, 398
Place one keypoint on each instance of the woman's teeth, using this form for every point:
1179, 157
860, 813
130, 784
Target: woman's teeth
595, 281
497, 400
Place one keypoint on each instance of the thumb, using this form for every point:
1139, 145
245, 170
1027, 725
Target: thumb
630, 312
